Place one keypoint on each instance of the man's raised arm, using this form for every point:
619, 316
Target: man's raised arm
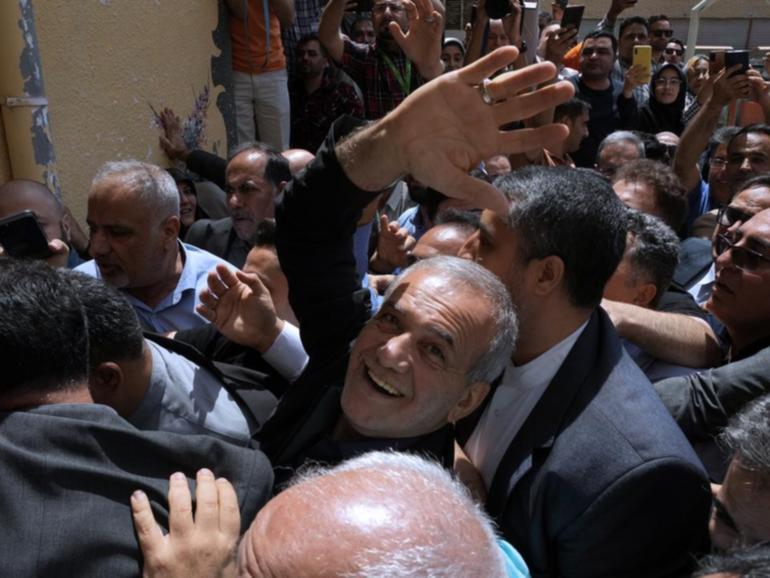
329, 32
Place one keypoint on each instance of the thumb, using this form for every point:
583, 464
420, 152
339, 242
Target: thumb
483, 194
253, 281
397, 33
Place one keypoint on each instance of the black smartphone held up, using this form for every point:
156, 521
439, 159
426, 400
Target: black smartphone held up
573, 16
733, 57
22, 236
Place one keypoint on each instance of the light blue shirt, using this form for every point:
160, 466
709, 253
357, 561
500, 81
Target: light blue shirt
177, 310
185, 398
515, 567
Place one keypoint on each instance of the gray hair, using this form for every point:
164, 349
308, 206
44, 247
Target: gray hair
622, 136
747, 438
475, 277
443, 547
653, 250
153, 186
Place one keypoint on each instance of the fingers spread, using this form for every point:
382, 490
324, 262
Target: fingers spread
511, 83
532, 103
484, 67
517, 141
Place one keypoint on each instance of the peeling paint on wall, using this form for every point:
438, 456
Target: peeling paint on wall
194, 125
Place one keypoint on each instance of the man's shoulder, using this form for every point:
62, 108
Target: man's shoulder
87, 268
204, 228
202, 261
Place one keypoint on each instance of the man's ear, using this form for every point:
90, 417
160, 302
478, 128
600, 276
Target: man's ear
550, 275
170, 228
474, 394
105, 381
65, 226
645, 294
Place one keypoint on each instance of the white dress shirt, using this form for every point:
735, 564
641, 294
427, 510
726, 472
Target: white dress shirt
511, 404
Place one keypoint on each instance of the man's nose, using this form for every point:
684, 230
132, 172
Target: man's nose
98, 245
395, 353
234, 201
746, 166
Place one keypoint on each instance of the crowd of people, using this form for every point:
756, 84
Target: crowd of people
448, 309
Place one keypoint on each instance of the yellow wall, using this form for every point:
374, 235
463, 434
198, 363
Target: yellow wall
5, 165
105, 62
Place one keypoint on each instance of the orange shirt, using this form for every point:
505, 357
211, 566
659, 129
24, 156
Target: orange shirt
251, 57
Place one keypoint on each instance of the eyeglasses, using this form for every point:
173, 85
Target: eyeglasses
718, 162
677, 51
666, 33
394, 8
743, 258
727, 216
667, 81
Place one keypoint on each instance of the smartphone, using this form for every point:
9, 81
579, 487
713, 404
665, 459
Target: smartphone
364, 6
643, 58
22, 236
733, 57
573, 16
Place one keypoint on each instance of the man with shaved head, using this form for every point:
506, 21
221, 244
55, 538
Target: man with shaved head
21, 195
353, 520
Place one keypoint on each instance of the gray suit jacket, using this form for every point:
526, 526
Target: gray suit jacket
69, 471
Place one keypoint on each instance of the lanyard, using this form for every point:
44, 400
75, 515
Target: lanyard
404, 83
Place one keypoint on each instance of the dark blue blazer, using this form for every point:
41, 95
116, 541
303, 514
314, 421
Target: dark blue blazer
614, 489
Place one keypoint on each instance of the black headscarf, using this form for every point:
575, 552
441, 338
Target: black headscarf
655, 117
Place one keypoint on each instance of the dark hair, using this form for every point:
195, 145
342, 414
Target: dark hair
597, 34
747, 437
751, 562
359, 20
632, 20
677, 41
264, 236
313, 37
657, 18
277, 167
43, 337
670, 196
653, 250
572, 109
751, 128
463, 219
114, 332
573, 214
722, 136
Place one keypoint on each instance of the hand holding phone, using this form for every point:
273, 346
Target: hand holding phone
22, 236
643, 59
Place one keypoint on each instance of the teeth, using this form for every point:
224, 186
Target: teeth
384, 386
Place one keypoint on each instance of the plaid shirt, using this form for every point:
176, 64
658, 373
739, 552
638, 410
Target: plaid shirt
379, 86
307, 13
312, 115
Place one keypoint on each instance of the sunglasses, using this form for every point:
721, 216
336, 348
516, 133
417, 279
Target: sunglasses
728, 216
666, 33
677, 51
743, 258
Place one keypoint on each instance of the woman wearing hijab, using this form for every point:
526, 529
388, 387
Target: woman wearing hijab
664, 110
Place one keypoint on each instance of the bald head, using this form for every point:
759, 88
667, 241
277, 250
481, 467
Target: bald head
298, 159
444, 239
21, 195
363, 523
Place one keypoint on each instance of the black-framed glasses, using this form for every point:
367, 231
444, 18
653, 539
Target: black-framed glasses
743, 258
727, 216
666, 33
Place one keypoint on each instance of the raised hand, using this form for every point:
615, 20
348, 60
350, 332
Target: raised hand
171, 140
635, 76
445, 128
393, 246
205, 546
729, 86
240, 307
422, 42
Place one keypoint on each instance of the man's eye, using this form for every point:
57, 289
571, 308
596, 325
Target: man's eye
435, 353
387, 321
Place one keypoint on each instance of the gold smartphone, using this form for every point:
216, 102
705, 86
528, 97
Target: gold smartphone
643, 58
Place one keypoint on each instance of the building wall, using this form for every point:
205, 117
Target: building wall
5, 164
109, 64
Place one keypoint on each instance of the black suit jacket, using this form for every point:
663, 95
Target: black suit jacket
614, 489
219, 238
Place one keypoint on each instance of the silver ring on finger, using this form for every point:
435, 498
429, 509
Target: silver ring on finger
484, 92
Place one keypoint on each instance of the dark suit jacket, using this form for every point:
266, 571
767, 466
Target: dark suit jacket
208, 166
694, 260
614, 489
69, 471
219, 238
